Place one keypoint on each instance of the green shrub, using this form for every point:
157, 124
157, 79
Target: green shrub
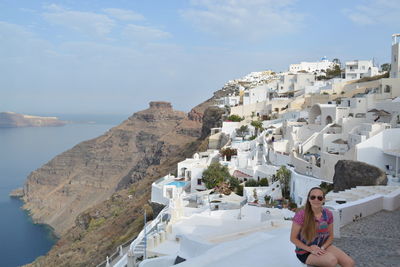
283, 175
251, 183
228, 153
239, 190
233, 182
215, 174
235, 118
95, 223
264, 182
292, 205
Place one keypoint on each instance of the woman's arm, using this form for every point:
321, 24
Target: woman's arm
293, 237
329, 241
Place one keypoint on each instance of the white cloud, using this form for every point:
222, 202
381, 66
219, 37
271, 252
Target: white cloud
139, 33
123, 14
88, 23
244, 19
375, 12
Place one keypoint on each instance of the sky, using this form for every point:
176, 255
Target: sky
114, 57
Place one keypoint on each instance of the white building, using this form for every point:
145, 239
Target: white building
382, 150
294, 82
358, 69
232, 100
395, 67
192, 169
167, 188
318, 66
255, 95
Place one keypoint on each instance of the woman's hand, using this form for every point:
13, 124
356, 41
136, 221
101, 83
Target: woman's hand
315, 250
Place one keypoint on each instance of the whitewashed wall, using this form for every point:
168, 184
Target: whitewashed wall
300, 185
229, 127
371, 150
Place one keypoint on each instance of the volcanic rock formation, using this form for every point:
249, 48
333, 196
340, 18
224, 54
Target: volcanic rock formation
93, 170
349, 173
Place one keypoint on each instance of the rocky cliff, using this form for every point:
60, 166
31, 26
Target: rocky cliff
11, 120
99, 230
94, 194
93, 170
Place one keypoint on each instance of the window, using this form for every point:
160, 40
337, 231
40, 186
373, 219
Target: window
198, 181
388, 88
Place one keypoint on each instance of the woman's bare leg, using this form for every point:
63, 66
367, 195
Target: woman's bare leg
325, 260
343, 259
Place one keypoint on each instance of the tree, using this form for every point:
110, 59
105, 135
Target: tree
242, 131
235, 118
215, 174
337, 61
283, 175
233, 183
228, 153
257, 125
386, 67
335, 72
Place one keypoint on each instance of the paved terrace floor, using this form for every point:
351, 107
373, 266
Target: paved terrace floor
374, 240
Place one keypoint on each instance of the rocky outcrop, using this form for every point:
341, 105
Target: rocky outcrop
17, 193
93, 170
11, 120
349, 174
212, 119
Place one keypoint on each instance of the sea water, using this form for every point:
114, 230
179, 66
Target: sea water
23, 150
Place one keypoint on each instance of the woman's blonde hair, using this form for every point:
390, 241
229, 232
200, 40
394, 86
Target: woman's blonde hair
309, 230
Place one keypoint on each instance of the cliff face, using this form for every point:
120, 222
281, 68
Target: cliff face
11, 120
99, 230
93, 170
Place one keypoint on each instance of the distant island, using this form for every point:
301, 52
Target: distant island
12, 120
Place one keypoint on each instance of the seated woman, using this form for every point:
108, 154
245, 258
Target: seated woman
312, 233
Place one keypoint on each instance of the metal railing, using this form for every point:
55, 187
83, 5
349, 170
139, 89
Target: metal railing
116, 254
132, 243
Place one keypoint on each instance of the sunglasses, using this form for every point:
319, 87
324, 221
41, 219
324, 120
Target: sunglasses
320, 198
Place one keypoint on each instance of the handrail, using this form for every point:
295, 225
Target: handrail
132, 243
309, 139
115, 254
148, 228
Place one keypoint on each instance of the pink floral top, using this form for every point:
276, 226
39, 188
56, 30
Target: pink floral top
322, 228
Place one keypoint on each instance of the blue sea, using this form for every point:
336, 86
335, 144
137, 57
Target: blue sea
23, 150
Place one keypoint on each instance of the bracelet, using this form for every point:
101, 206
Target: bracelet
322, 247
